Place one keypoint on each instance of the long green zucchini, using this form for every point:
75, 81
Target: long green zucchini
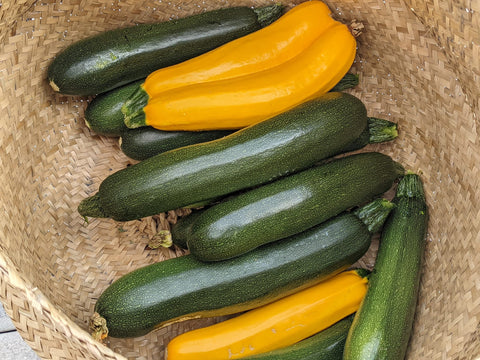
326, 345
382, 326
290, 205
117, 57
290, 141
184, 288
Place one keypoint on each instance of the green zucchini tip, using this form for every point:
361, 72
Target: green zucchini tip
90, 207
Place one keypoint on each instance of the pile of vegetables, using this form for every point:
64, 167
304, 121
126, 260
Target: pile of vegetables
240, 115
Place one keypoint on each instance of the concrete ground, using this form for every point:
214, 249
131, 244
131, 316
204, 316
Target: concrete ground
12, 346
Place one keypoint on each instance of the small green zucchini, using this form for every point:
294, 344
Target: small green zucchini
290, 205
117, 57
103, 114
382, 326
325, 345
294, 140
143, 143
183, 288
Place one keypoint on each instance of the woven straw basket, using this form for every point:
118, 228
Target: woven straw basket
419, 65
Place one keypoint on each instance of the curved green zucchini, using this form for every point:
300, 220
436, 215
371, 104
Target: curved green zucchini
117, 57
183, 288
326, 345
290, 205
143, 143
382, 326
294, 140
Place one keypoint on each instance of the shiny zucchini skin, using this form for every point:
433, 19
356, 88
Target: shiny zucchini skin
290, 205
182, 288
117, 57
326, 345
286, 143
382, 326
143, 143
103, 114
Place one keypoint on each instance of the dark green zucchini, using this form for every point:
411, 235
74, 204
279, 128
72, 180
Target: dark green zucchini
382, 326
117, 57
183, 288
326, 345
290, 205
286, 143
103, 114
143, 143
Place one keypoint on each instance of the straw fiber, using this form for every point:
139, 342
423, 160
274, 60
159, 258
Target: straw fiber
419, 65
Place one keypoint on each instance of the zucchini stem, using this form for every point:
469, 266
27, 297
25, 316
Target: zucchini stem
161, 239
268, 14
411, 186
374, 214
381, 130
98, 327
132, 109
377, 131
347, 82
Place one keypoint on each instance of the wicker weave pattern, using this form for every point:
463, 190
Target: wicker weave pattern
418, 67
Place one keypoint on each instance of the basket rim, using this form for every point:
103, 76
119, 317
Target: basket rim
59, 321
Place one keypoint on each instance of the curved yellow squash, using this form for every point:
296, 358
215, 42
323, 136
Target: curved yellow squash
246, 100
265, 48
276, 325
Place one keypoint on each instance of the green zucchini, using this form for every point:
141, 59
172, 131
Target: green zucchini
143, 143
382, 326
326, 345
117, 57
183, 288
103, 114
290, 205
286, 143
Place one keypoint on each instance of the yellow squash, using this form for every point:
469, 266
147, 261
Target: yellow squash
245, 100
276, 325
265, 48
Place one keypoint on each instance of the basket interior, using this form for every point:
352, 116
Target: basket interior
419, 66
